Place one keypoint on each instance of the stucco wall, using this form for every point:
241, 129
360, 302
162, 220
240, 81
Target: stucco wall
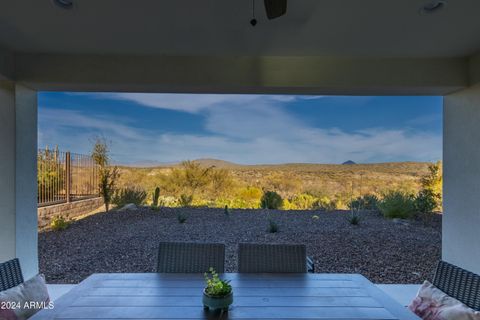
7, 171
67, 210
18, 175
26, 179
461, 155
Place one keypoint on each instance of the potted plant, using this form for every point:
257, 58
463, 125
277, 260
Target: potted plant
218, 293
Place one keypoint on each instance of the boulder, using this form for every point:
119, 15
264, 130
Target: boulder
128, 206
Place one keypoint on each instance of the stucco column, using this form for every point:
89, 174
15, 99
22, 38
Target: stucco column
7, 170
18, 175
461, 184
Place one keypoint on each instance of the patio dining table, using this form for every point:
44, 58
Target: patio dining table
256, 296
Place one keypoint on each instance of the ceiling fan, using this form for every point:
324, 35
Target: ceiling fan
274, 9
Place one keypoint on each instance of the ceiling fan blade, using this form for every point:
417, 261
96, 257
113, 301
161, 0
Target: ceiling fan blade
275, 8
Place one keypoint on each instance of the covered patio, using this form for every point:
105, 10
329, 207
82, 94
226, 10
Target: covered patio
349, 47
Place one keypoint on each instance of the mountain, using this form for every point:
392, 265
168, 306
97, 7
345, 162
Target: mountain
349, 162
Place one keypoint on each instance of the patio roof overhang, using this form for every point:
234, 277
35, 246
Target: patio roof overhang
371, 47
225, 74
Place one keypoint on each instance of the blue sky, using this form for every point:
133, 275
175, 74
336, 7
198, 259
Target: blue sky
248, 129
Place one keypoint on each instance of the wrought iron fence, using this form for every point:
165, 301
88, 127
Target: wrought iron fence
65, 177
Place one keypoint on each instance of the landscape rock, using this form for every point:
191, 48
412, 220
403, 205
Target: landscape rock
401, 221
119, 241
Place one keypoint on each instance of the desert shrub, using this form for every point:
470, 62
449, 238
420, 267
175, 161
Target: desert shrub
128, 195
235, 203
272, 226
397, 204
354, 217
51, 173
185, 200
287, 205
181, 218
167, 201
247, 198
302, 202
425, 204
425, 201
203, 203
59, 223
285, 183
325, 204
366, 202
271, 200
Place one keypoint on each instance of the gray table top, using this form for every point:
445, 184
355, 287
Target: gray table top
256, 296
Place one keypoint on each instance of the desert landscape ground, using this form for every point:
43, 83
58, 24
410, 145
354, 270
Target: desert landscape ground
383, 250
392, 242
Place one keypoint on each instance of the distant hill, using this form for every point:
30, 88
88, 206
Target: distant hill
314, 178
146, 164
216, 163
395, 168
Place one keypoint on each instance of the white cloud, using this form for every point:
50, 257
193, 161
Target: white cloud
254, 133
75, 119
194, 103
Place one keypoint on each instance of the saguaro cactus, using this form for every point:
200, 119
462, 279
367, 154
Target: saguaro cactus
156, 195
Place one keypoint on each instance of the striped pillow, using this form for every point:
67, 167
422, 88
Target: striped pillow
24, 300
432, 303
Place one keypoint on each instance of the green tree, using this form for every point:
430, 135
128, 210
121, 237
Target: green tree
108, 174
187, 180
425, 204
51, 173
221, 182
432, 182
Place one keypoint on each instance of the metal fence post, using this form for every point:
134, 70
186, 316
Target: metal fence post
68, 174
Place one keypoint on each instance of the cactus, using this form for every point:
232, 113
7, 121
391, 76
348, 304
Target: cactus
155, 197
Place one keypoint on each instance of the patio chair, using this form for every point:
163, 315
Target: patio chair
181, 257
273, 258
10, 274
458, 283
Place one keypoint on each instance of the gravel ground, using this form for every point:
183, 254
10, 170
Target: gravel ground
380, 249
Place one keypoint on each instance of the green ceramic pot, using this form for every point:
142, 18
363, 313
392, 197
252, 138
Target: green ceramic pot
215, 303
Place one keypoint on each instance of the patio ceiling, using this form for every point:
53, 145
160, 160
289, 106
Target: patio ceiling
320, 46
368, 28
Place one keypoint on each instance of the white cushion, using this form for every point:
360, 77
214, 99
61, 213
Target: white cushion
432, 303
24, 300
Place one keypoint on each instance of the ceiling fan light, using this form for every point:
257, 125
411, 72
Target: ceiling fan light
63, 4
433, 7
